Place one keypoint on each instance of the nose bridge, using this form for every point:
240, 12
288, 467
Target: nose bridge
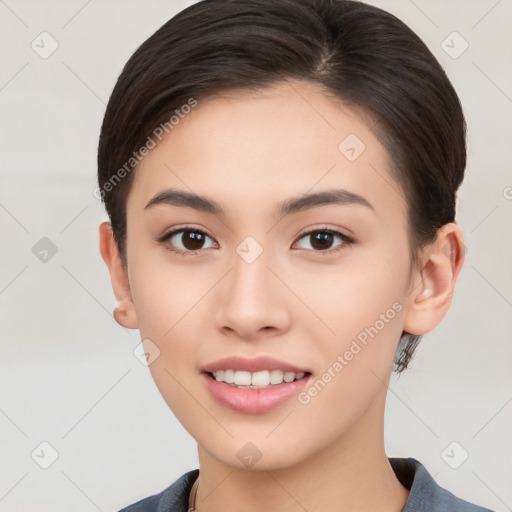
253, 298
250, 277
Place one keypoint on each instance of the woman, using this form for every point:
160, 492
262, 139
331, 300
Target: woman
280, 178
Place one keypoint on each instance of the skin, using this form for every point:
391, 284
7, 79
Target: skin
250, 152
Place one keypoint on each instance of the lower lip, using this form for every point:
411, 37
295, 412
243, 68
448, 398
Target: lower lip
253, 401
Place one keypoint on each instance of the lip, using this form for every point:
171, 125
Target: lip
256, 364
253, 401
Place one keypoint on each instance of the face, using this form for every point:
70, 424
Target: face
322, 287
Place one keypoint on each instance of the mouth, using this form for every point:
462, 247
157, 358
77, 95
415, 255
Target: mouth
252, 398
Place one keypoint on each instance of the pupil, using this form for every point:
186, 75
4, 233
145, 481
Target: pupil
192, 240
324, 239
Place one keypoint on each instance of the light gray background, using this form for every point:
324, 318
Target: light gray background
68, 374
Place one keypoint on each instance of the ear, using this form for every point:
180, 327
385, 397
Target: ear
124, 312
434, 282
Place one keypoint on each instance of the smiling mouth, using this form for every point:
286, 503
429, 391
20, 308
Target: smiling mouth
254, 392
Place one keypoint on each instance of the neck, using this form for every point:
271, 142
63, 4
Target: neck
353, 473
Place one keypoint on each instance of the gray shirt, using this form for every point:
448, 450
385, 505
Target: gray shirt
425, 495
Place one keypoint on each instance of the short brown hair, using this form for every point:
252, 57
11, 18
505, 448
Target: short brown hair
361, 54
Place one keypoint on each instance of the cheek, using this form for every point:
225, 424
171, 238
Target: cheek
365, 310
164, 290
363, 304
169, 307
167, 311
355, 296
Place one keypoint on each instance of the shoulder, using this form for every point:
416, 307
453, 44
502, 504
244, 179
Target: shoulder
172, 499
425, 494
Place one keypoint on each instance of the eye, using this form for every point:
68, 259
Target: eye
188, 240
321, 240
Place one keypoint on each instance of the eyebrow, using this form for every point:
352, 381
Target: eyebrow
175, 197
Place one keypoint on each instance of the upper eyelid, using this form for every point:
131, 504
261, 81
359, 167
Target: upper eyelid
346, 239
172, 232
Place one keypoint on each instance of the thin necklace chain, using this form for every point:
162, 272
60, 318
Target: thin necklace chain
193, 507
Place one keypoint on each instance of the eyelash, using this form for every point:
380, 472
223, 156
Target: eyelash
345, 239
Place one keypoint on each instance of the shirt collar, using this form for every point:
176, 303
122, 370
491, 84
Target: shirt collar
425, 495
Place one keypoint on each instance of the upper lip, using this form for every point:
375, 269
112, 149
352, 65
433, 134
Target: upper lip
252, 365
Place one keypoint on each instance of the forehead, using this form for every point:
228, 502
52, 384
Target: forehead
256, 148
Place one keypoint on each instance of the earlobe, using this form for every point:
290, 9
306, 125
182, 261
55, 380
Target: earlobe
124, 312
432, 291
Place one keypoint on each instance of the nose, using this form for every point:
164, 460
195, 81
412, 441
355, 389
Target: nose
253, 302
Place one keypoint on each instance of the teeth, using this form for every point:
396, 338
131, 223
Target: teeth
229, 376
256, 380
260, 378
